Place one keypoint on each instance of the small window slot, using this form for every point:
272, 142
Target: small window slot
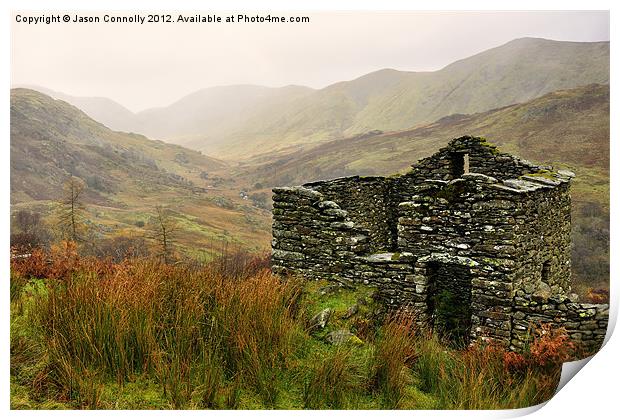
458, 164
545, 272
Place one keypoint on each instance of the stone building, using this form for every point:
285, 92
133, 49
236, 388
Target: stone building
475, 242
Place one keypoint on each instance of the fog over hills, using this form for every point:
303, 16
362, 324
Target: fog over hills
104, 110
237, 122
566, 127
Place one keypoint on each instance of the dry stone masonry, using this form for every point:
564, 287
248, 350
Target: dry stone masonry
475, 242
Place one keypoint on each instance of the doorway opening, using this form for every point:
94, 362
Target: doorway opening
449, 302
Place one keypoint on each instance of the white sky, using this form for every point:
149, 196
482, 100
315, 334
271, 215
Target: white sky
143, 66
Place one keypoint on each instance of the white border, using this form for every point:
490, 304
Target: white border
591, 394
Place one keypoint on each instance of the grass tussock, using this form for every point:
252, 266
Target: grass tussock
333, 381
394, 354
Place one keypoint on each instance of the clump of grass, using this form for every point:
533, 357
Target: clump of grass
487, 376
75, 381
254, 318
433, 362
332, 381
394, 353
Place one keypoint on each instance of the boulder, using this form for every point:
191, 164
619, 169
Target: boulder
352, 310
320, 320
341, 337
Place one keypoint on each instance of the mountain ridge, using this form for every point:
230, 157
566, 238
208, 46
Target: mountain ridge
237, 122
570, 127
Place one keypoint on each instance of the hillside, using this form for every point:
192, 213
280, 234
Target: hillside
389, 100
127, 175
237, 122
213, 112
104, 110
568, 127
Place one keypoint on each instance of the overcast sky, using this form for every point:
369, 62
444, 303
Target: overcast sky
143, 66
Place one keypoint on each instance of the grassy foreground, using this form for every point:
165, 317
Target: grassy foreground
140, 334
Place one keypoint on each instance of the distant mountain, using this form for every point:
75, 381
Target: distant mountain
213, 112
391, 100
51, 140
569, 128
237, 122
103, 110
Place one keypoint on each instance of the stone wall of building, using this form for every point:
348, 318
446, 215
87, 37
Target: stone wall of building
368, 202
467, 220
500, 244
483, 157
391, 273
544, 246
585, 323
313, 236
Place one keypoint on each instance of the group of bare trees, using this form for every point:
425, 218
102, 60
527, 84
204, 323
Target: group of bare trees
28, 232
70, 222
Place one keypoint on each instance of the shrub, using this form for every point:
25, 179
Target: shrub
597, 295
487, 376
23, 243
551, 347
120, 248
60, 263
28, 232
238, 263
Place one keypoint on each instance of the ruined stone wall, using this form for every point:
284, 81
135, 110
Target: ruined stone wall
368, 202
484, 158
585, 323
467, 220
312, 236
543, 223
391, 273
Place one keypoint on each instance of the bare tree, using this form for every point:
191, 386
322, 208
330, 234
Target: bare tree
163, 228
71, 213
